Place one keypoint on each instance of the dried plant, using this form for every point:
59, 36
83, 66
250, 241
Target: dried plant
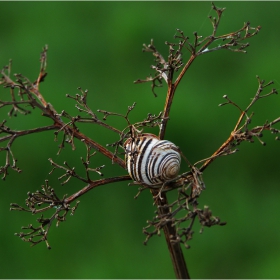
176, 218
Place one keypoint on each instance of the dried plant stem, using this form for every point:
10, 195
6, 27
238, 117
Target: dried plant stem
185, 68
175, 250
225, 144
18, 133
237, 135
95, 145
170, 95
95, 184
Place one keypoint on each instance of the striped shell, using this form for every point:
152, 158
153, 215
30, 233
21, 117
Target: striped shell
150, 160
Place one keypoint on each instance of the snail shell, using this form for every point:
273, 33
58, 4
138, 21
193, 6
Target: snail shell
150, 160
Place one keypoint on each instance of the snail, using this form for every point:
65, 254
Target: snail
150, 160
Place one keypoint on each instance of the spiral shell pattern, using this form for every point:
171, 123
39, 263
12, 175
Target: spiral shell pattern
150, 160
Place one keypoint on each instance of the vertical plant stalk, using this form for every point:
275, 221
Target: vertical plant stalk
175, 250
170, 95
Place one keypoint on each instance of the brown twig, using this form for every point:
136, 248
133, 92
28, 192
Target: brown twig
175, 250
170, 95
95, 184
224, 145
237, 135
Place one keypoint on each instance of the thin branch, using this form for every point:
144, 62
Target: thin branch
19, 133
47, 196
95, 184
241, 132
170, 95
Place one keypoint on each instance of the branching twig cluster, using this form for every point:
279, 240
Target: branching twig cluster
242, 131
165, 68
184, 204
39, 202
67, 125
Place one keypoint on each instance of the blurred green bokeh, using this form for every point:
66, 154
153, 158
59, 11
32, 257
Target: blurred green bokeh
97, 45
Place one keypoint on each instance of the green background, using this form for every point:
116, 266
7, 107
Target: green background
97, 45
